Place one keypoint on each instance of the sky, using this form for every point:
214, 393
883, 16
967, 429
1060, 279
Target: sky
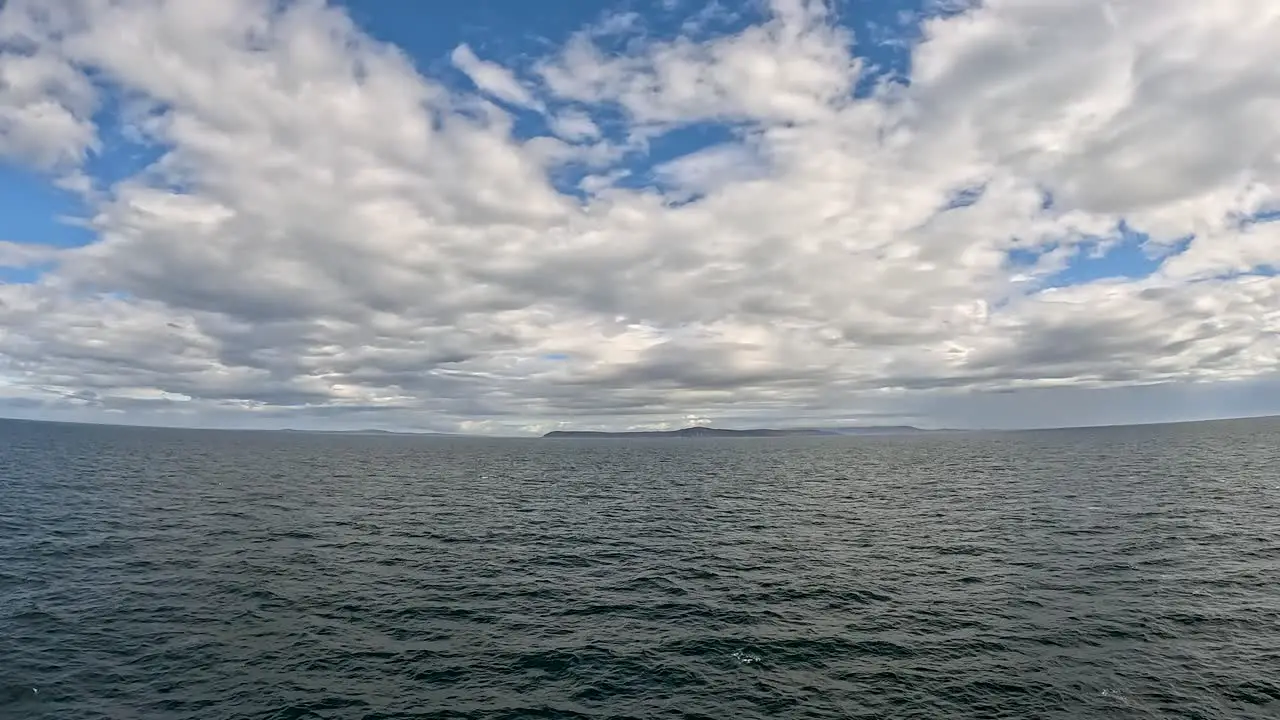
507, 217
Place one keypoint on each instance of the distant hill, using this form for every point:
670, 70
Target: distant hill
699, 431
370, 431
876, 430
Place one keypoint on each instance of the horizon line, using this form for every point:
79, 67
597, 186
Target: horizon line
443, 434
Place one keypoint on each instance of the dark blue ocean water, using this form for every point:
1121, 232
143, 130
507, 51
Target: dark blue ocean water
159, 574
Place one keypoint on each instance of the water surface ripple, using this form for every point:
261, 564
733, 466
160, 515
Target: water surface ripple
1121, 573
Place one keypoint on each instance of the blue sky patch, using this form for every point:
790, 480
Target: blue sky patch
15, 276
1126, 255
37, 211
1261, 218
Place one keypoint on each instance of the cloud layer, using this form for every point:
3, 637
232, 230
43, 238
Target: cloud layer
320, 232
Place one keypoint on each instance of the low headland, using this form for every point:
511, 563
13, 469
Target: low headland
701, 431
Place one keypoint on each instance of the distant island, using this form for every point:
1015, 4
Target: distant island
700, 431
367, 431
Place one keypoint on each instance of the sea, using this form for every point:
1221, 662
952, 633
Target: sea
1129, 572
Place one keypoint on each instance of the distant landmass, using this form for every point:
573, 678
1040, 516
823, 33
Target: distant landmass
369, 431
699, 431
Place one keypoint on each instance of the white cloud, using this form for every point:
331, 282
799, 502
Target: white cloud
574, 126
492, 77
45, 102
712, 168
794, 68
16, 255
332, 237
1155, 122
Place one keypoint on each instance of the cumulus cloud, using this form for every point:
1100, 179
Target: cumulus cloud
46, 103
328, 235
